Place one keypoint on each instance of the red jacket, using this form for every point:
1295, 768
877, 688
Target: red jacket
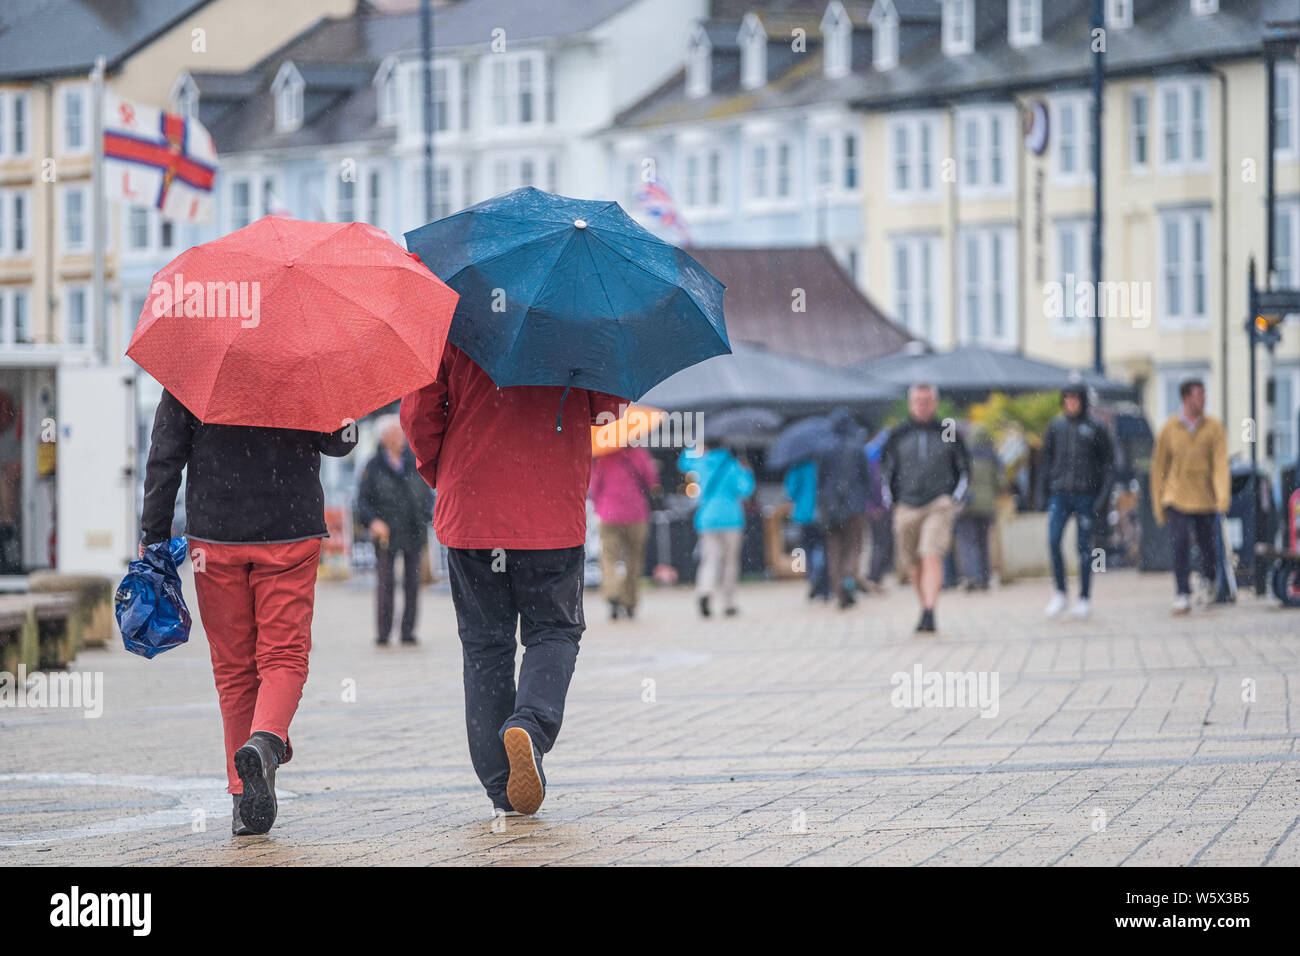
505, 477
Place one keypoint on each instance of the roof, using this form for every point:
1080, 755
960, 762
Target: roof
840, 326
50, 38
981, 370
1164, 33
754, 376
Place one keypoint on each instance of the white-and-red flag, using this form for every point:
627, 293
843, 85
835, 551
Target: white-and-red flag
159, 159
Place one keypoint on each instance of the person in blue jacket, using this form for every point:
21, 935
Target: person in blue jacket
724, 485
801, 489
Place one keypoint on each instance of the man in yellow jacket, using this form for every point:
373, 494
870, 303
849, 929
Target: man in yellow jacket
1190, 487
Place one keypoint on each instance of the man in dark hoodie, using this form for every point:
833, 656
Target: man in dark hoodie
255, 517
843, 489
925, 468
1077, 470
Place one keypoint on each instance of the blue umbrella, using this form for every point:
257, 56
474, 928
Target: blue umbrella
805, 440
571, 292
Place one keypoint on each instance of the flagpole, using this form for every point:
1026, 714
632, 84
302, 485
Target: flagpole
97, 202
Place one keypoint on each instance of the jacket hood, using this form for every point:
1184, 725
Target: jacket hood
1082, 392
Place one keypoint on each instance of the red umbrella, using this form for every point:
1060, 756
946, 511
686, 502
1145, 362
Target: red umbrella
291, 324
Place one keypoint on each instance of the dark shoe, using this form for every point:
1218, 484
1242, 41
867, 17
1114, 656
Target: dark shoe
926, 624
409, 640
255, 762
704, 607
731, 611
629, 612
847, 599
381, 642
613, 610
525, 788
237, 826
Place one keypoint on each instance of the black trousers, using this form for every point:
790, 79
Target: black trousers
1182, 528
385, 559
495, 591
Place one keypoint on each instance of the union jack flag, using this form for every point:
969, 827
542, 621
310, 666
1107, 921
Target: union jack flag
153, 158
658, 204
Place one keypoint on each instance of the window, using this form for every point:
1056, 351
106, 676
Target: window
15, 316
758, 172
513, 83
702, 179
915, 283
1073, 249
76, 315
148, 232
76, 228
770, 173
442, 199
14, 118
288, 89
1139, 133
15, 221
345, 200
137, 230
1119, 14
958, 27
1203, 7
525, 91
984, 136
837, 33
884, 36
1286, 244
849, 170
1073, 126
241, 203
186, 96
1184, 257
986, 286
76, 134
823, 170
699, 66
374, 198
912, 142
1183, 118
1286, 446
753, 53
466, 97
389, 109
1025, 22
1286, 109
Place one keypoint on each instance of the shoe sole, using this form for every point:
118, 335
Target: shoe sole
524, 788
257, 809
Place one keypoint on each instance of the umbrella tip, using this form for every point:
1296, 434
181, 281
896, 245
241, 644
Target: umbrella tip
580, 223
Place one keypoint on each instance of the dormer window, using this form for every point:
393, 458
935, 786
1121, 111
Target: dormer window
1119, 14
1203, 8
185, 95
884, 35
386, 92
837, 39
753, 53
1025, 22
287, 87
699, 64
958, 27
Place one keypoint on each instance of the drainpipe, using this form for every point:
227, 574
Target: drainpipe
1224, 325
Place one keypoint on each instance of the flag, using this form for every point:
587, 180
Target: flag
658, 204
159, 159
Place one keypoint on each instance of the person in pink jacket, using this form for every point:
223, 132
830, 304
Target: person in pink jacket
621, 485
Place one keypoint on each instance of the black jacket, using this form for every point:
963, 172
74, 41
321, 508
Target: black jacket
243, 484
918, 465
1078, 458
844, 482
402, 501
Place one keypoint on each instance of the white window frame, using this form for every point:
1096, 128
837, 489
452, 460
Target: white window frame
704, 153
1284, 423
1286, 252
185, 96
1287, 75
154, 225
1081, 106
958, 27
1184, 219
913, 124
248, 180
1142, 165
64, 91
8, 124
87, 224
288, 87
9, 202
837, 41
1119, 14
1079, 232
753, 53
66, 291
1203, 8
1018, 36
986, 285
699, 64
1181, 90
987, 119
9, 296
388, 104
509, 73
907, 304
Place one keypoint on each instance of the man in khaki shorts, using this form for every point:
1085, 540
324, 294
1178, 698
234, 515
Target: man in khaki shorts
924, 466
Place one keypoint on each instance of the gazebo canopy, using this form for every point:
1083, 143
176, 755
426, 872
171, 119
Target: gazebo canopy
971, 371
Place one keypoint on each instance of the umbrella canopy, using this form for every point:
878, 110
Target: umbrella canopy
559, 291
289, 324
635, 422
740, 423
753, 376
973, 370
805, 440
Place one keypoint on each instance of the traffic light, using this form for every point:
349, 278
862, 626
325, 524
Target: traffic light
1267, 329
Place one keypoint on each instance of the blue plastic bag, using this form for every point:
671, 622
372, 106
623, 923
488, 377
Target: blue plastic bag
149, 605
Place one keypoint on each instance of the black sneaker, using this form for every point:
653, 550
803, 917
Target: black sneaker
381, 642
408, 641
255, 762
237, 825
613, 610
704, 607
926, 624
731, 611
629, 612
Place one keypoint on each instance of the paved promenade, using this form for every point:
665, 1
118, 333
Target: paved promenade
771, 738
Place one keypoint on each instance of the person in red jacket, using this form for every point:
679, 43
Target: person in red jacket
511, 509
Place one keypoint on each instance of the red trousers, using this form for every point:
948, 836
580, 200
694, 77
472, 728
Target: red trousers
256, 603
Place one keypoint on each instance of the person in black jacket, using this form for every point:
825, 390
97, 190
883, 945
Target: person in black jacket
1078, 469
396, 505
255, 517
925, 468
843, 490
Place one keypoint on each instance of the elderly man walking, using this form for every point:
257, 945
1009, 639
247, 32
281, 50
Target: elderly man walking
1190, 488
925, 467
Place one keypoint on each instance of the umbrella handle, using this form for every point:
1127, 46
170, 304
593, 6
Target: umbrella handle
560, 411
